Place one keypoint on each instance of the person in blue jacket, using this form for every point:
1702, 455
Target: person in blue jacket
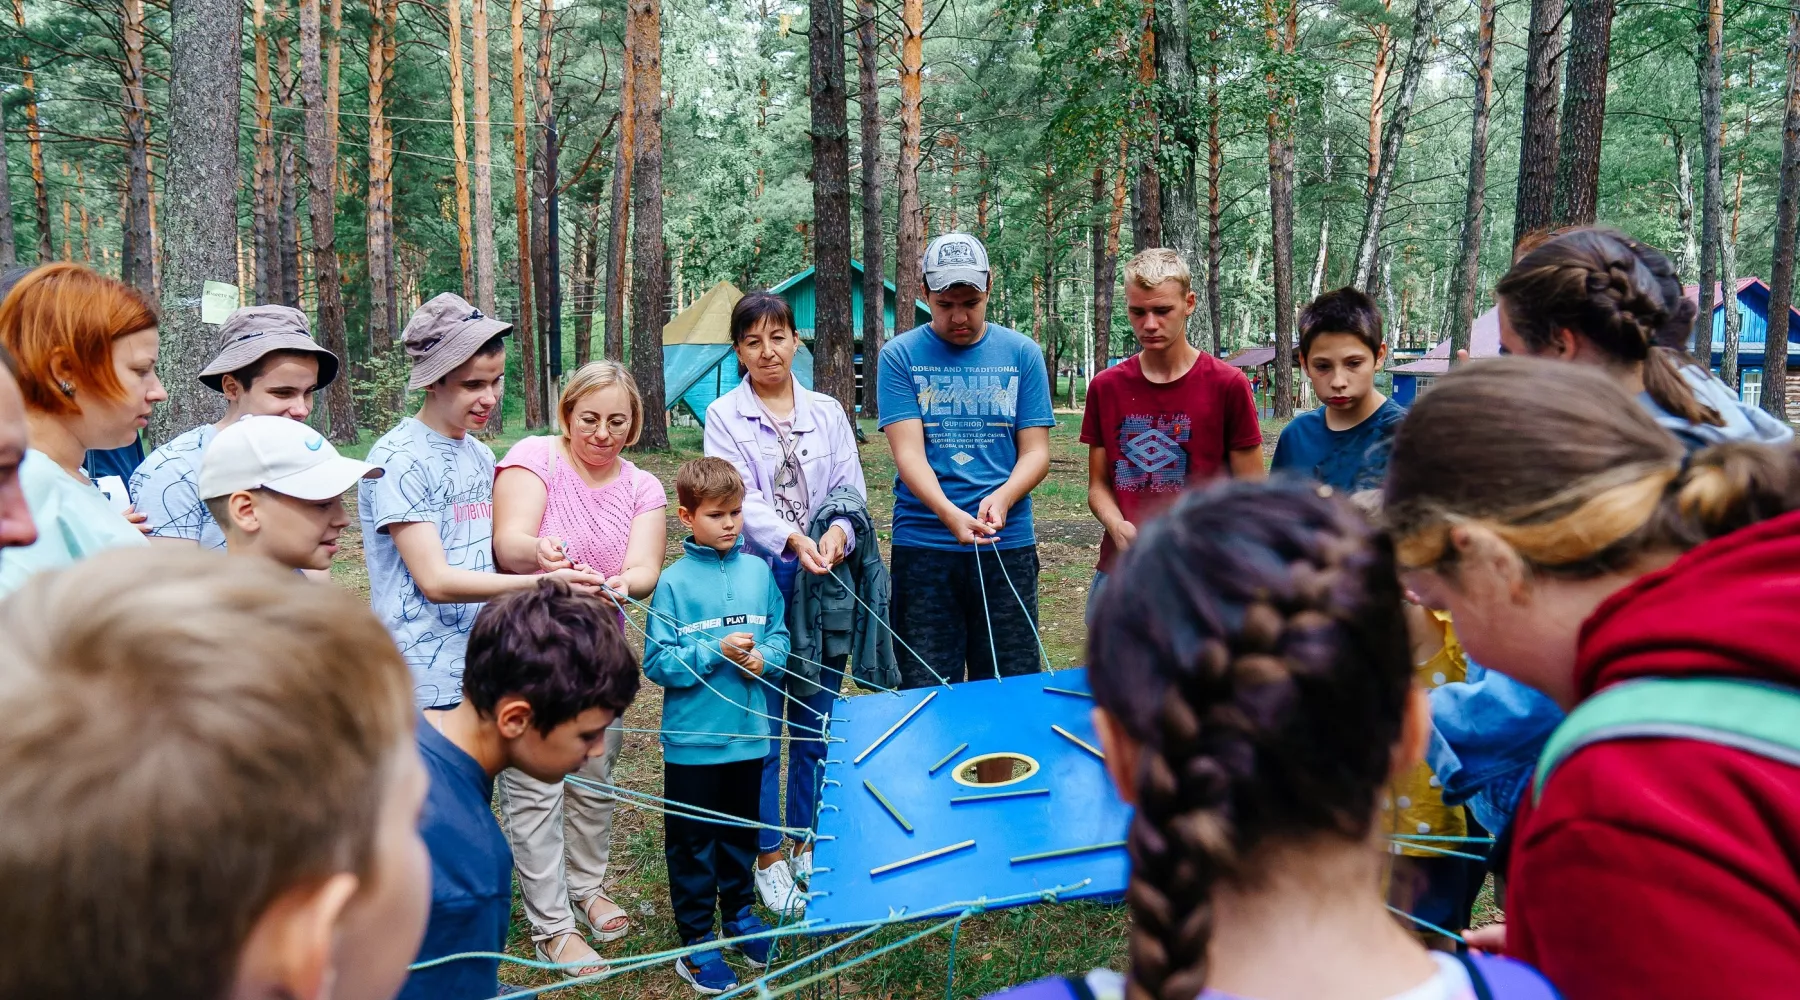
717, 642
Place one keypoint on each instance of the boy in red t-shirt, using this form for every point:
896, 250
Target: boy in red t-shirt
1165, 418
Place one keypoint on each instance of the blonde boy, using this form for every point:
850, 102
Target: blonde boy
210, 786
1165, 418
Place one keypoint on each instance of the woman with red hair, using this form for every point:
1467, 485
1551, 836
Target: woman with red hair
86, 347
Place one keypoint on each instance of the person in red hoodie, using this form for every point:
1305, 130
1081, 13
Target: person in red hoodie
1580, 549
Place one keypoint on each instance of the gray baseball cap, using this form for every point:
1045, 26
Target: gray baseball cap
251, 332
444, 333
956, 259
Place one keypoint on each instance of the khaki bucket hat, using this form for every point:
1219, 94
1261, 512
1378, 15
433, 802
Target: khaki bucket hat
254, 331
443, 333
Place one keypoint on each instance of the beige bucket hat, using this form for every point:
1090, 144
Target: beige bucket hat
443, 333
253, 331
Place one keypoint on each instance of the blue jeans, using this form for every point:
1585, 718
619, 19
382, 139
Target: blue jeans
1093, 600
806, 757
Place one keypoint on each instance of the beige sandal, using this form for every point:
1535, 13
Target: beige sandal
605, 919
558, 951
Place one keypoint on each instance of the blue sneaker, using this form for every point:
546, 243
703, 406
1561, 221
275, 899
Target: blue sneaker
706, 971
756, 953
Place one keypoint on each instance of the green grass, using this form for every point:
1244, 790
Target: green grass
993, 949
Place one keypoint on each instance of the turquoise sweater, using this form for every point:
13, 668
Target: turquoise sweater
711, 596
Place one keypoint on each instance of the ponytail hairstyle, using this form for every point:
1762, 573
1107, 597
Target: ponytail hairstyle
1561, 464
1622, 295
1252, 642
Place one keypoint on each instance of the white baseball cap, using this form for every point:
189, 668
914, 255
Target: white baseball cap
275, 453
956, 259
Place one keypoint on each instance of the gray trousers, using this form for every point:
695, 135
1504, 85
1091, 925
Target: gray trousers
548, 822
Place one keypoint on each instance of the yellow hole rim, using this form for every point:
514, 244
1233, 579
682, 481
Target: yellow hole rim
1031, 768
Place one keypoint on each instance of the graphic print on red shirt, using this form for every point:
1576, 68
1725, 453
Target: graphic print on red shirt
1162, 437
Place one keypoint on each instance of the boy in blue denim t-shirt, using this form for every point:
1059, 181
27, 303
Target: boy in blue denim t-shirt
717, 642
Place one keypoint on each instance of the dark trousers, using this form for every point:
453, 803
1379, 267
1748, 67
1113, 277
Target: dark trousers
711, 863
962, 618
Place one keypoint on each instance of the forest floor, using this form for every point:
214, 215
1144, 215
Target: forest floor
993, 950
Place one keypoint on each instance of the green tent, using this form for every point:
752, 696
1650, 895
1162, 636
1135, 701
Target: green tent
699, 365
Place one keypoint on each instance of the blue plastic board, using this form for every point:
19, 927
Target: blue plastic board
1068, 802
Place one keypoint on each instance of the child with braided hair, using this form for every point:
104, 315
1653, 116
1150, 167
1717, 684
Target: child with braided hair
1600, 299
1253, 680
1648, 591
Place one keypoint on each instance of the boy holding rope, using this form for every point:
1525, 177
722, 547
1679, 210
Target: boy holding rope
548, 670
713, 672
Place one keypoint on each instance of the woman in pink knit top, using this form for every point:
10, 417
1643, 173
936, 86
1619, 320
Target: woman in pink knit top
560, 501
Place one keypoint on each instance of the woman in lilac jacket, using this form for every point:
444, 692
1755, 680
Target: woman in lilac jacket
793, 447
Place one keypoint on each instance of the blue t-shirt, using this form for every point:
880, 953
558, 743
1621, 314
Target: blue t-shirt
166, 488
973, 402
471, 875
1349, 460
448, 482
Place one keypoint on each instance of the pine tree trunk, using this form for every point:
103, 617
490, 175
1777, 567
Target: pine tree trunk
487, 265
1318, 272
618, 228
1712, 195
459, 131
587, 254
523, 330
1584, 113
288, 162
1215, 237
34, 142
381, 261
1689, 257
645, 29
389, 43
1378, 78
264, 229
135, 263
1728, 278
321, 156
1114, 222
874, 323
1416, 51
199, 222
9, 251
1465, 279
1534, 206
1105, 267
543, 181
1146, 193
835, 371
1787, 207
1281, 206
1178, 193
909, 249
1728, 281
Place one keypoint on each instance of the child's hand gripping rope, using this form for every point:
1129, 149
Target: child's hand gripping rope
740, 648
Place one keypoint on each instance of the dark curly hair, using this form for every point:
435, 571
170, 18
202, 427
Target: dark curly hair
562, 652
1253, 642
1622, 295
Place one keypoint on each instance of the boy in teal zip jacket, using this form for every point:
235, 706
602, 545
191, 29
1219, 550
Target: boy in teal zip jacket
718, 644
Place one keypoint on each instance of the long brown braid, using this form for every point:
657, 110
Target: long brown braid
1622, 295
1252, 641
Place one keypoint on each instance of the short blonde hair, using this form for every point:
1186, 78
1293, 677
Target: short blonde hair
597, 375
187, 738
1152, 267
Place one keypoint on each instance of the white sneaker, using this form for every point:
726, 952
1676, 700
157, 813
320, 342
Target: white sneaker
775, 885
801, 866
